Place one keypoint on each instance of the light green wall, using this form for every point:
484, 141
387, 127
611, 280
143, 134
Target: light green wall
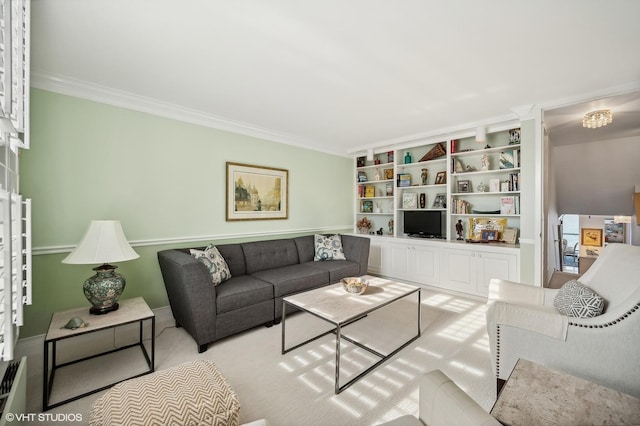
162, 179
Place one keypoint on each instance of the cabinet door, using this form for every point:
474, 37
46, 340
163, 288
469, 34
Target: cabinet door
425, 264
375, 258
398, 261
458, 268
495, 265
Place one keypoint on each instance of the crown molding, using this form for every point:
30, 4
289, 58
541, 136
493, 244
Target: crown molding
122, 99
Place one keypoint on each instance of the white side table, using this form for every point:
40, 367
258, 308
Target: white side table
130, 311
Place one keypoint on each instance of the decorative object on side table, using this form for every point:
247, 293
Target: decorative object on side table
104, 242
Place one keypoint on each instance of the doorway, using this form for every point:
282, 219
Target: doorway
570, 242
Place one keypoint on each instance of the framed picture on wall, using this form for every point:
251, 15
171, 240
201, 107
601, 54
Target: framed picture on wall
614, 232
256, 192
591, 237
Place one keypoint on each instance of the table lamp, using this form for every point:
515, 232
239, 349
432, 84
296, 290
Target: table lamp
104, 242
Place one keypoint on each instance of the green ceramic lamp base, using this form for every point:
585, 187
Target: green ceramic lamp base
104, 289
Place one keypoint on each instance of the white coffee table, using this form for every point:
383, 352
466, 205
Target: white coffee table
334, 305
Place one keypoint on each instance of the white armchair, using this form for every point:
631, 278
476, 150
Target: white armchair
443, 403
523, 323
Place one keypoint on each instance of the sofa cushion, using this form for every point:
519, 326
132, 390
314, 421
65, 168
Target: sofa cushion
214, 262
240, 292
328, 247
306, 249
234, 256
264, 255
575, 299
337, 269
293, 279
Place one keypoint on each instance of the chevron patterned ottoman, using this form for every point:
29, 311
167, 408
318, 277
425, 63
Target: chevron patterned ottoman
194, 393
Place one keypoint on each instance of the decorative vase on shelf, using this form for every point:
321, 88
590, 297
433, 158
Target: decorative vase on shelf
407, 158
423, 200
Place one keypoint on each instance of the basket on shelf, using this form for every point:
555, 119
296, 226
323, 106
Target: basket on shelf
437, 151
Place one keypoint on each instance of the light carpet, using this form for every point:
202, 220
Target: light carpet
297, 388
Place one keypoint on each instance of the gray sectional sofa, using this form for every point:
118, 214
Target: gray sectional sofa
263, 272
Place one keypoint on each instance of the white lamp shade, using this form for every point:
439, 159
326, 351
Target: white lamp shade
104, 242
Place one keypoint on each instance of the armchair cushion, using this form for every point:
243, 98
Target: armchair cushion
575, 299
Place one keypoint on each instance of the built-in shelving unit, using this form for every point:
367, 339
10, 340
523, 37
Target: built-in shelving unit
468, 182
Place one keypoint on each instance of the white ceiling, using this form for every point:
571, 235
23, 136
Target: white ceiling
337, 75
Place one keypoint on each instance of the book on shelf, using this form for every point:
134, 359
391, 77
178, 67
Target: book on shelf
459, 206
510, 204
370, 191
404, 180
506, 160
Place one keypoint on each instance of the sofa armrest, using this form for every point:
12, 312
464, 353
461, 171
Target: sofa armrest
191, 293
356, 249
443, 403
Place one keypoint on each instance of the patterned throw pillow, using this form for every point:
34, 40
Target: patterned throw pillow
214, 262
328, 247
575, 299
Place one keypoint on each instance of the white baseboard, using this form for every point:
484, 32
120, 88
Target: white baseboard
34, 346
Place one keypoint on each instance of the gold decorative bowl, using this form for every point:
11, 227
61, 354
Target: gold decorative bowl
354, 285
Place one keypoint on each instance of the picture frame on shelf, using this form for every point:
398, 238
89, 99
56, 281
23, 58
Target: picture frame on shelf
388, 174
271, 200
464, 186
441, 178
489, 235
514, 136
389, 188
440, 201
367, 207
409, 200
510, 235
404, 180
591, 237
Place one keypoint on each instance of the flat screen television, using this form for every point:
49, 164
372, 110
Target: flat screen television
423, 223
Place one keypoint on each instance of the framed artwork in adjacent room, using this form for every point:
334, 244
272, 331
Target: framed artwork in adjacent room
614, 232
591, 237
256, 192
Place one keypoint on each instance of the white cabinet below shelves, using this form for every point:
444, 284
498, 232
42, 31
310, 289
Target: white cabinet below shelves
469, 270
412, 262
